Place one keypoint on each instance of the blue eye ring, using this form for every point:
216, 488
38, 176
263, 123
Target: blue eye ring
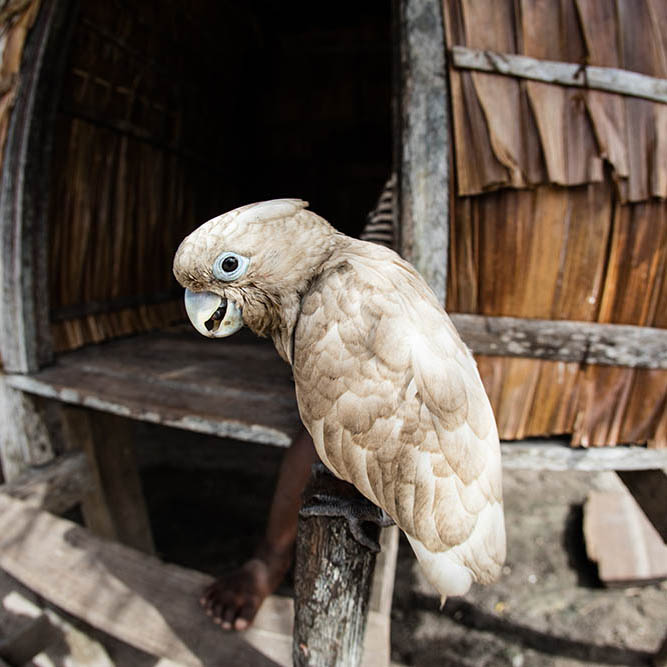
230, 266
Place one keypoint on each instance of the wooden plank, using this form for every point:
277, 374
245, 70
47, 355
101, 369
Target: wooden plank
238, 388
622, 541
55, 487
561, 340
114, 507
649, 489
148, 604
25, 341
567, 74
558, 455
424, 136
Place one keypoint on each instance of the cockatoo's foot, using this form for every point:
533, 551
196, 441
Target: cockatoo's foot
232, 601
329, 496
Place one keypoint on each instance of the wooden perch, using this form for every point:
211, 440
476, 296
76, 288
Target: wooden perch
333, 576
566, 74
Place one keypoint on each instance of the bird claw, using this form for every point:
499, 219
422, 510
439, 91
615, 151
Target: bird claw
344, 502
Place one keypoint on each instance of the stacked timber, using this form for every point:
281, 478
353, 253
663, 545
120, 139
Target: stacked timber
560, 207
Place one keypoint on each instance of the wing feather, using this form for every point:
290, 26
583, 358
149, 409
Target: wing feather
395, 405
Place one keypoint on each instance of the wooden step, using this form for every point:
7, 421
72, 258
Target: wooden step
142, 601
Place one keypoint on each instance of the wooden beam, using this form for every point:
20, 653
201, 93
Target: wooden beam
566, 74
115, 507
55, 487
649, 488
29, 434
25, 340
558, 455
423, 192
136, 598
560, 340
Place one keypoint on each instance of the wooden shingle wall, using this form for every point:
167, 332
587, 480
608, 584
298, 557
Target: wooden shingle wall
560, 210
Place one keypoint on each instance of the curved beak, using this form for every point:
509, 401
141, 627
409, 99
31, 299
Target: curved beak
211, 315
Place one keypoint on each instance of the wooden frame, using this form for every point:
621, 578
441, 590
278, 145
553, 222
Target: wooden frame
25, 339
609, 79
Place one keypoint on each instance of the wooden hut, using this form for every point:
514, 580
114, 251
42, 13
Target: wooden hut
536, 208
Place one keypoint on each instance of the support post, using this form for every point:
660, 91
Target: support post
333, 577
28, 433
423, 128
115, 509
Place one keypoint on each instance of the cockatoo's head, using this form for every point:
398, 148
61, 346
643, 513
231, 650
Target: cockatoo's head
251, 266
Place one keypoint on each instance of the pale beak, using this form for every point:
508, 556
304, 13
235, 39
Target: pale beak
211, 315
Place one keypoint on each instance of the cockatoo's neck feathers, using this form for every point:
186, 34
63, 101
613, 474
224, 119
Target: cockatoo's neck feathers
265, 211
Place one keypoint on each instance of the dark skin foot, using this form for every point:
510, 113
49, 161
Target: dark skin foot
234, 599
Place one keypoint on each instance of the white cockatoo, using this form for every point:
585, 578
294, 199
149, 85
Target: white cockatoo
388, 391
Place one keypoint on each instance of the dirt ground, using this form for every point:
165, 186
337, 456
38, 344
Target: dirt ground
208, 501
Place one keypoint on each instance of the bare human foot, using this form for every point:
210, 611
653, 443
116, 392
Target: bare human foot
234, 599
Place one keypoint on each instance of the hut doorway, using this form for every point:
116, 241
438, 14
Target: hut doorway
171, 113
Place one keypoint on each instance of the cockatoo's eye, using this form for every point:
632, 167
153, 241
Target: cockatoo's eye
230, 266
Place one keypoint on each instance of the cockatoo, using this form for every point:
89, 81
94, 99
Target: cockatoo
388, 391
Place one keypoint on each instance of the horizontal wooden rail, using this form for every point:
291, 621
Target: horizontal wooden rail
561, 340
558, 455
567, 74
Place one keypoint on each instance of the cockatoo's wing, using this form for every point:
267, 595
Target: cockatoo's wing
395, 405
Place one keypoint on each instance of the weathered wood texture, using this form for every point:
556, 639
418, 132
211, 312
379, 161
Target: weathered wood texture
114, 508
559, 340
55, 487
554, 455
568, 74
34, 637
136, 598
239, 388
29, 430
424, 151
519, 133
31, 88
649, 488
332, 582
561, 211
621, 540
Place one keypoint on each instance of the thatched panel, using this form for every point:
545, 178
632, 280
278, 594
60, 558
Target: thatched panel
543, 133
533, 249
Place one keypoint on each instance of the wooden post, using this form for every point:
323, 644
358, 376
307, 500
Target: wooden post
115, 508
333, 578
29, 430
423, 128
25, 334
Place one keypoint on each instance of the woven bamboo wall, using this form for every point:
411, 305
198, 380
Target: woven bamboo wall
135, 164
560, 209
175, 111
